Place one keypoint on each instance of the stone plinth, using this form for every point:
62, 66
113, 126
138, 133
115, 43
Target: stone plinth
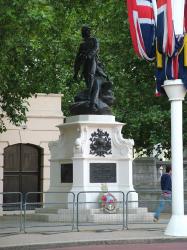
93, 146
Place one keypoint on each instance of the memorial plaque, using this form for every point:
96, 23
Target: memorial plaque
67, 173
102, 172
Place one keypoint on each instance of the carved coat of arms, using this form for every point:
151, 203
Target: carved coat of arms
100, 143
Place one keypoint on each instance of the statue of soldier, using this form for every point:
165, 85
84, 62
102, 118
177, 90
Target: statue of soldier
97, 98
87, 59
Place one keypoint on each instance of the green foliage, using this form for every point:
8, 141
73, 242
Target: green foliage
39, 41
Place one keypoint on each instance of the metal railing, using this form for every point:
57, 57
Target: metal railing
49, 214
8, 220
141, 209
137, 207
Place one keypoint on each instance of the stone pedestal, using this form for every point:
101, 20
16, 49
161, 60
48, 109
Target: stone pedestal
90, 151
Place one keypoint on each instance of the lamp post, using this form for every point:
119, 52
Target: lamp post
175, 91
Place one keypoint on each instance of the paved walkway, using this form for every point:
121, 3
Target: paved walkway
153, 246
89, 238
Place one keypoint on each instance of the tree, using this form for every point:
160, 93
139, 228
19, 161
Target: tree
20, 55
39, 40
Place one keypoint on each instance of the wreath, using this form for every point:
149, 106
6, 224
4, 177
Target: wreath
108, 203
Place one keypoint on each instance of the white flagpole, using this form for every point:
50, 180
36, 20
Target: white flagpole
175, 90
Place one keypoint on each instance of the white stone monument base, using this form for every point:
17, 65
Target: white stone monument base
83, 143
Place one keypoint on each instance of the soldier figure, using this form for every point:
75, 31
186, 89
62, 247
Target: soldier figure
87, 58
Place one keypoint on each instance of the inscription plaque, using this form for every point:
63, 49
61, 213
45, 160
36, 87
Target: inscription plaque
67, 173
102, 172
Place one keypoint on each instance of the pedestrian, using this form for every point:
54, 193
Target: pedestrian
166, 187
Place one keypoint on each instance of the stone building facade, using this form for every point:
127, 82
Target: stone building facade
24, 152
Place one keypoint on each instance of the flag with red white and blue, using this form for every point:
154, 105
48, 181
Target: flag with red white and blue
165, 29
171, 66
152, 32
142, 27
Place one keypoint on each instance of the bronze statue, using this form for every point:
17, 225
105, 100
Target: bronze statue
98, 97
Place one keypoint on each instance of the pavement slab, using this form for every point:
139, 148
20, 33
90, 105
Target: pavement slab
153, 246
55, 240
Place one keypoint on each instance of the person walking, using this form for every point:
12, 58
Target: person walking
166, 187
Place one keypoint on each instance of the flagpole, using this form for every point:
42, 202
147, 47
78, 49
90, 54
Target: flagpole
175, 90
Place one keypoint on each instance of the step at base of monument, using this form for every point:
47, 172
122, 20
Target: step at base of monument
136, 215
50, 217
116, 218
54, 210
138, 210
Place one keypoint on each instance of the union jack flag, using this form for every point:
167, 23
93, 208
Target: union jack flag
151, 22
165, 30
172, 67
142, 16
168, 44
